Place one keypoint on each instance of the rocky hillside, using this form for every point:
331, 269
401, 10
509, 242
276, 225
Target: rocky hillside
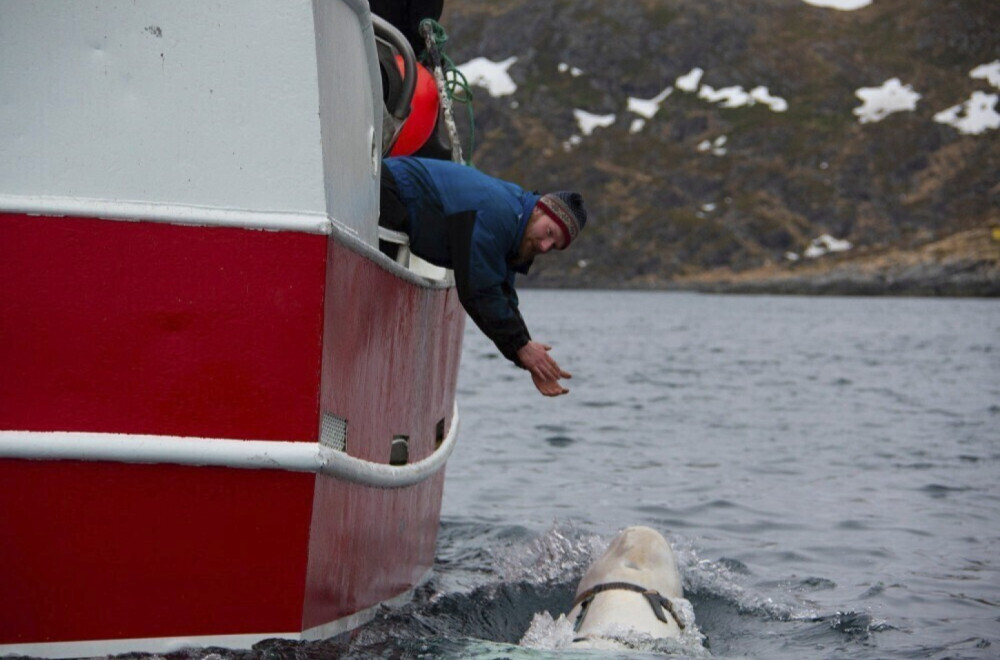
752, 141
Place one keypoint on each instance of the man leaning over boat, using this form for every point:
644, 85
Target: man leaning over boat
487, 231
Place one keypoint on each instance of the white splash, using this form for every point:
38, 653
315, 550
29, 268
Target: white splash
880, 102
842, 5
975, 116
546, 633
558, 554
491, 75
826, 244
588, 121
989, 72
689, 82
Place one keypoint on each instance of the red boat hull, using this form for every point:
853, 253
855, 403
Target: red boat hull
145, 328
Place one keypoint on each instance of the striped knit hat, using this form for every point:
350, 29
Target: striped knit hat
566, 208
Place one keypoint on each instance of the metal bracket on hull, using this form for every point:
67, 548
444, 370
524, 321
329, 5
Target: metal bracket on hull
240, 454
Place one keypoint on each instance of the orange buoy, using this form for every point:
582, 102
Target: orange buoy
423, 113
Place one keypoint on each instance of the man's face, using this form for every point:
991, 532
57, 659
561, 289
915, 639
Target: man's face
541, 235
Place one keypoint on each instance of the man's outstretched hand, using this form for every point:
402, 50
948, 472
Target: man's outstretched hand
548, 387
545, 372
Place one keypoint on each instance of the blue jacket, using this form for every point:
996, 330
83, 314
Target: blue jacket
472, 223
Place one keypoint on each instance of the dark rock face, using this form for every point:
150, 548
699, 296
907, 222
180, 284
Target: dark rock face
665, 206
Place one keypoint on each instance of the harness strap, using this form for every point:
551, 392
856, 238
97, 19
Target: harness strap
656, 601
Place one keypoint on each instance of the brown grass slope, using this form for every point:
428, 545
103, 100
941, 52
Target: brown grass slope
665, 214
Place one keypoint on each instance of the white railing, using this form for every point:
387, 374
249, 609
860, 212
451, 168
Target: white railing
216, 452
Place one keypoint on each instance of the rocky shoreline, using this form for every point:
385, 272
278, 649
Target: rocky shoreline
620, 101
958, 281
965, 264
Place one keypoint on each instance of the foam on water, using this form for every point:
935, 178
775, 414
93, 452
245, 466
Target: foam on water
560, 554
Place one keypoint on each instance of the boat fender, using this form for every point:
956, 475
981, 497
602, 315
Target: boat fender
423, 113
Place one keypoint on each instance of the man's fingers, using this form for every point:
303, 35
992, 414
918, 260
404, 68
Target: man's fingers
551, 367
554, 389
548, 387
535, 357
545, 371
550, 372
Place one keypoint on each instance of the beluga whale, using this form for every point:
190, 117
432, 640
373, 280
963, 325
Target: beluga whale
631, 597
634, 587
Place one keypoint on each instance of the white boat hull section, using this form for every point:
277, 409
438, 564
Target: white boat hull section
170, 92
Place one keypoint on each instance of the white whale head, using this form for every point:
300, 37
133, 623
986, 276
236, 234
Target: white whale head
630, 589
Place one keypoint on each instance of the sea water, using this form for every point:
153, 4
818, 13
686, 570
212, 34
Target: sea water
827, 470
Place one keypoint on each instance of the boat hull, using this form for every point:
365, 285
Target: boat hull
149, 329
224, 414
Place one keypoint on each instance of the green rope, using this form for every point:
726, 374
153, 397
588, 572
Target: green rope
456, 86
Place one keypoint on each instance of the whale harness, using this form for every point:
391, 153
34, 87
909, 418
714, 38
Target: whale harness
656, 601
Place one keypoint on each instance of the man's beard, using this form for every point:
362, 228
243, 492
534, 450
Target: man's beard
525, 253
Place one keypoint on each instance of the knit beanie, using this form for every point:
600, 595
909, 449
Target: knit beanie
566, 208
